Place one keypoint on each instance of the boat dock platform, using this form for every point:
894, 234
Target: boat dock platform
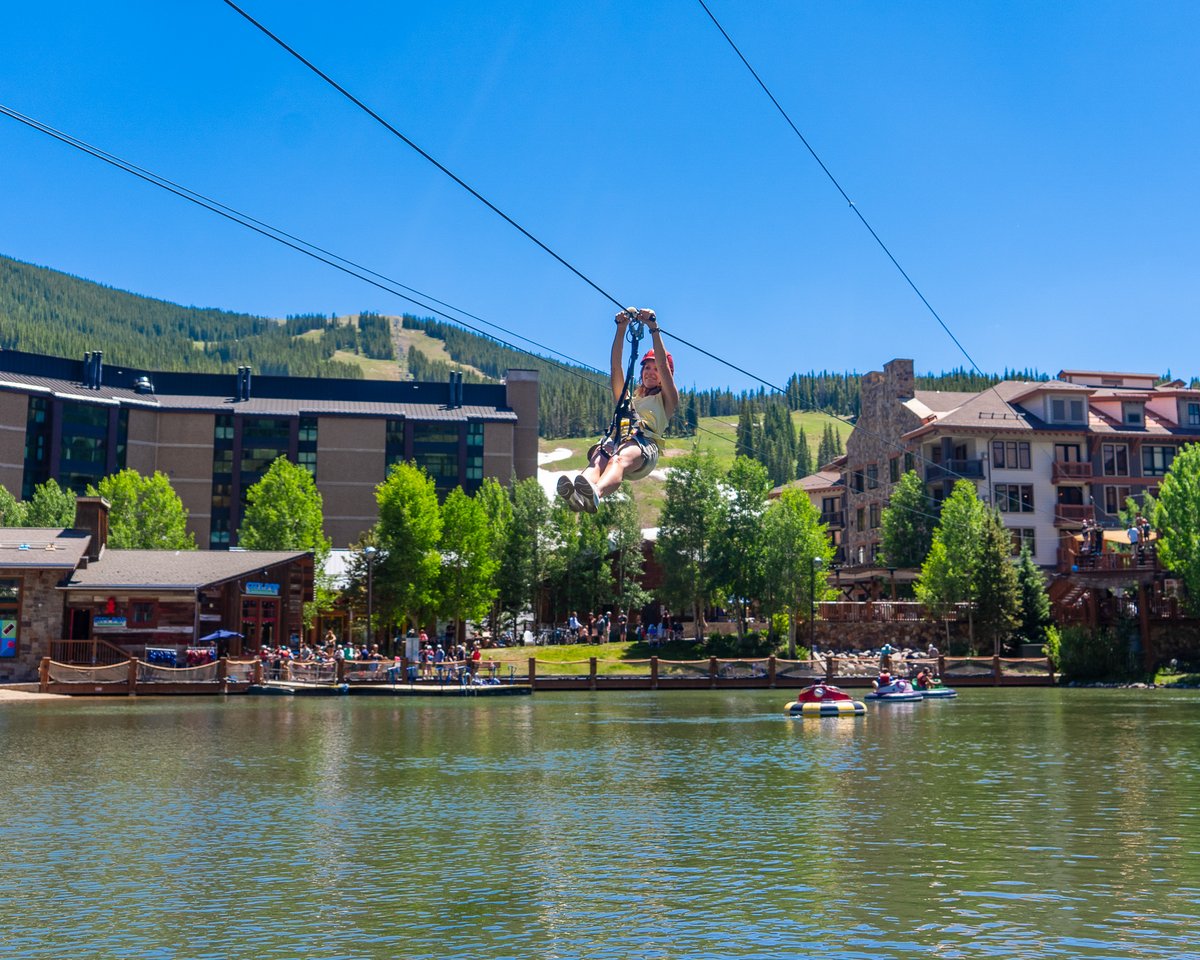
303, 689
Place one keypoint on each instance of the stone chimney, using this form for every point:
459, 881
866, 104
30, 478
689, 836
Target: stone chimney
91, 515
899, 375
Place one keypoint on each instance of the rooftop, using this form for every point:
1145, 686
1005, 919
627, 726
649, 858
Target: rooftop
174, 569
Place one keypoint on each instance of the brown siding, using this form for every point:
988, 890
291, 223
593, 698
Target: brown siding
498, 443
14, 411
522, 396
351, 455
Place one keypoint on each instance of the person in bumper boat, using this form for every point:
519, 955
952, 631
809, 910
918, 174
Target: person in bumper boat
655, 400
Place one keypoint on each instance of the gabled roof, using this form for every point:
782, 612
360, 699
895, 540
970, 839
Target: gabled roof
174, 569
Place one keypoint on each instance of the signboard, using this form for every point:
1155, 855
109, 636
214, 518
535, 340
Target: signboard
8, 638
262, 590
108, 623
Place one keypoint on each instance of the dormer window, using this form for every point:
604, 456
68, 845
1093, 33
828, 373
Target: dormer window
1133, 414
1067, 409
1192, 414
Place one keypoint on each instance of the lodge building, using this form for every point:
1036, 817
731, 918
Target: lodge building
215, 435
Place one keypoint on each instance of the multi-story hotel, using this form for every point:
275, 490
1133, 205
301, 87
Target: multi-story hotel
215, 435
1049, 454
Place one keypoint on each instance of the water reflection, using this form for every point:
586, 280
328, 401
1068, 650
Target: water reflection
1006, 823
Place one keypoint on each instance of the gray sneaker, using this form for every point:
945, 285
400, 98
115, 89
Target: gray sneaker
587, 494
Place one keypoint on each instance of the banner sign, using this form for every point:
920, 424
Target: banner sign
108, 623
8, 638
262, 590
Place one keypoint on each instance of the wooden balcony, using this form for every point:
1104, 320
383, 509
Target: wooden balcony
1070, 472
1073, 514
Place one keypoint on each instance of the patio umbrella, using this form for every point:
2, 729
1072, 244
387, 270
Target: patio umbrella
220, 635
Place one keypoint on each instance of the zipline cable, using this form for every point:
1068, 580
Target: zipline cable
453, 176
346, 266
298, 244
832, 179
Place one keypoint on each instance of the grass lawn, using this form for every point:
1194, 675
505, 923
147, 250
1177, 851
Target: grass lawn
650, 493
612, 658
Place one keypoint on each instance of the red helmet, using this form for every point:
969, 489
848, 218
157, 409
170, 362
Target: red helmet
650, 356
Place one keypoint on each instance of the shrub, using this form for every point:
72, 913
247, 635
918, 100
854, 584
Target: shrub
728, 646
1087, 655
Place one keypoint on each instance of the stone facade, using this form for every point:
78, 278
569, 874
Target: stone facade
39, 621
870, 450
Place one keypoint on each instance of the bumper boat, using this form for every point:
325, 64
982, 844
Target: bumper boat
895, 691
938, 691
824, 700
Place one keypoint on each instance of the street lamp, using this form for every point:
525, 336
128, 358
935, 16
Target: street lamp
369, 553
812, 612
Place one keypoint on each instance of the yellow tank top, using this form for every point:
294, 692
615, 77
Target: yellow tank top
652, 415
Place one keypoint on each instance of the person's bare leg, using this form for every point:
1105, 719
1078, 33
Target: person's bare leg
627, 458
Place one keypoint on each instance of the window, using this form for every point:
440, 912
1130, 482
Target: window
474, 434
1010, 454
1116, 459
894, 470
1193, 414
874, 516
909, 462
1022, 537
872, 476
1156, 461
435, 433
935, 453
1066, 453
1014, 497
859, 519
1114, 499
474, 468
1133, 414
856, 481
1066, 410
143, 613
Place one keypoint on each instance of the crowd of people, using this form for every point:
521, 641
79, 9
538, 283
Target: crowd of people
607, 628
1138, 535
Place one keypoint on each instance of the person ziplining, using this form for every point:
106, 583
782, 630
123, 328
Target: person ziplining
629, 450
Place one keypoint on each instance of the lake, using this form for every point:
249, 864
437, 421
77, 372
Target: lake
1007, 823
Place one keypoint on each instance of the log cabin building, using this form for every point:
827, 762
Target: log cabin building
65, 595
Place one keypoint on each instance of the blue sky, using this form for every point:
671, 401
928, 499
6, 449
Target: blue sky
1032, 166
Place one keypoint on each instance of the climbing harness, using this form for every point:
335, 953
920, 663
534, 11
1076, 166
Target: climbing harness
625, 425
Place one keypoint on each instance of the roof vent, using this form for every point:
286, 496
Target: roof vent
143, 385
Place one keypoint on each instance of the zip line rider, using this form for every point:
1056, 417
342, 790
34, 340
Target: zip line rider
630, 450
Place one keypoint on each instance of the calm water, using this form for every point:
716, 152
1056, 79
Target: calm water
1021, 823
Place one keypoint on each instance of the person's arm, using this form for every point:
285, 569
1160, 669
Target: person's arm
616, 373
666, 378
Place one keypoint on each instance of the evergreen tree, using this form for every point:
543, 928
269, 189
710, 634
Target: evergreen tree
1035, 602
996, 590
745, 440
145, 513
908, 523
804, 464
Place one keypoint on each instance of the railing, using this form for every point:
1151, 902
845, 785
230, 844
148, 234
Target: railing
955, 469
1145, 559
95, 652
1074, 512
132, 676
834, 518
885, 611
1063, 472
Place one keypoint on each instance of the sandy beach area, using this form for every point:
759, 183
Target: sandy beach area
8, 695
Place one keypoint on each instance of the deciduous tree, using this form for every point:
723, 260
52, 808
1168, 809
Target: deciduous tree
1177, 519
50, 506
408, 532
797, 555
738, 557
687, 527
145, 513
285, 511
466, 584
908, 523
948, 574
